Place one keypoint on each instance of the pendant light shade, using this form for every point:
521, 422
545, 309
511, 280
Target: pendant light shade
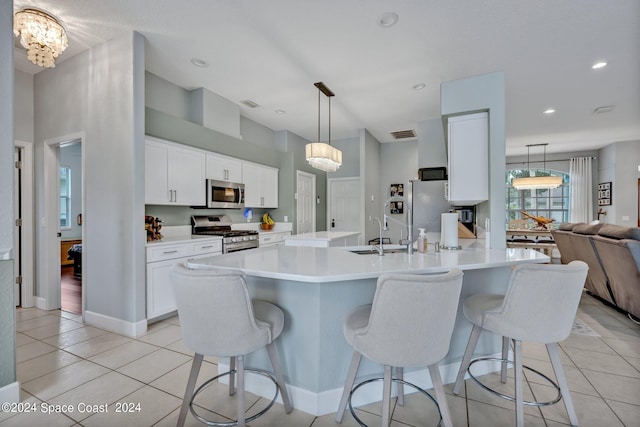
322, 155
537, 182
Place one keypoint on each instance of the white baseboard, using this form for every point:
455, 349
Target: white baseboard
41, 303
119, 326
10, 393
326, 402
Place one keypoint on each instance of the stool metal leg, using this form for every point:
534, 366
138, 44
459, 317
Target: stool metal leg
275, 362
232, 376
436, 379
466, 359
386, 396
556, 363
517, 358
240, 363
351, 377
400, 385
505, 356
191, 384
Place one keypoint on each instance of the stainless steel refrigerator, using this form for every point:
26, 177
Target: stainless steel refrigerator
428, 203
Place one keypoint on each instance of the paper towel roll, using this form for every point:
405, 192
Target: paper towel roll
449, 231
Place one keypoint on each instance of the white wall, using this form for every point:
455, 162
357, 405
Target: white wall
619, 163
23, 107
370, 183
100, 93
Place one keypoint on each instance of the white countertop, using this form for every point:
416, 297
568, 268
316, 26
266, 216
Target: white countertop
317, 265
323, 235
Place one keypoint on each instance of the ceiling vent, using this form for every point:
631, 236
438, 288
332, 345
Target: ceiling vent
403, 134
603, 109
249, 103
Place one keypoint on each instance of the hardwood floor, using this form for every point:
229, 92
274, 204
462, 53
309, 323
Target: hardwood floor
71, 290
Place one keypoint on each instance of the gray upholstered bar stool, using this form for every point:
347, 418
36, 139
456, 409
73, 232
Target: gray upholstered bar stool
218, 318
409, 325
539, 306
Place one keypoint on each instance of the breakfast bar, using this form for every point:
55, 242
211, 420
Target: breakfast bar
316, 287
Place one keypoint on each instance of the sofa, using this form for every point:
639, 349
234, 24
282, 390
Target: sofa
613, 255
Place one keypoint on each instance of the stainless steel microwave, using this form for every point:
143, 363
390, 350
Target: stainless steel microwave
432, 174
225, 195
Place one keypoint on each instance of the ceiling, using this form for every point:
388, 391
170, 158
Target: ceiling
271, 52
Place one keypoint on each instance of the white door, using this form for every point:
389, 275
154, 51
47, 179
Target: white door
305, 202
344, 204
17, 249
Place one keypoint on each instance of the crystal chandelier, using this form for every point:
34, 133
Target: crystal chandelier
322, 155
537, 182
42, 36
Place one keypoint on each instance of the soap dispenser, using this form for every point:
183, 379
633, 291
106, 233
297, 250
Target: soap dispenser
422, 241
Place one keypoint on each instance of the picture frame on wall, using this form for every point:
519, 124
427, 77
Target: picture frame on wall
396, 190
604, 194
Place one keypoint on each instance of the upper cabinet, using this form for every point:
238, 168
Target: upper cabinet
260, 186
174, 174
468, 160
223, 168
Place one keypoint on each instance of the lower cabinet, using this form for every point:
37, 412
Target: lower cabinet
273, 238
160, 261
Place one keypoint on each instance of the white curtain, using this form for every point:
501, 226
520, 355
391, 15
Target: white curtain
580, 191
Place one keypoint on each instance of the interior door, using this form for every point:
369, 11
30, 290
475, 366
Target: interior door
344, 204
305, 202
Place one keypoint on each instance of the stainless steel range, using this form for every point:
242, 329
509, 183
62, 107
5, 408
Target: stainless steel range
220, 225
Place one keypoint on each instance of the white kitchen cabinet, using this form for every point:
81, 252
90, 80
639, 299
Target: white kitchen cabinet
160, 261
468, 159
174, 174
269, 238
260, 185
223, 168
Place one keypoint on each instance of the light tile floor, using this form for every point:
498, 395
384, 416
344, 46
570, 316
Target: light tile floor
63, 365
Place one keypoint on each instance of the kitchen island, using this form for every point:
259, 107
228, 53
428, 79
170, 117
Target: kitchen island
317, 287
324, 239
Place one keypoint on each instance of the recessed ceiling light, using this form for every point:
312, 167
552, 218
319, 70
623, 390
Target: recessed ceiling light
549, 111
419, 86
199, 62
280, 112
598, 65
388, 19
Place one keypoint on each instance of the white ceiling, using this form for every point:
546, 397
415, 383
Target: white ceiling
272, 51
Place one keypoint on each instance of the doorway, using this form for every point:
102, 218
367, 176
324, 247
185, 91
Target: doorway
305, 202
344, 205
23, 214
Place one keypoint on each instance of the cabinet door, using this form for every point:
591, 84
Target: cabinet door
156, 176
260, 186
187, 176
468, 159
223, 168
160, 298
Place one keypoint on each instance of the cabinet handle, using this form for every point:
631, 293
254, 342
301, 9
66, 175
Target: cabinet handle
261, 201
175, 195
206, 247
169, 252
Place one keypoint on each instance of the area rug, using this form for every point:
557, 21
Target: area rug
581, 328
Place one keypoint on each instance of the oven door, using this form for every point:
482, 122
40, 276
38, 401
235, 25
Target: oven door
225, 195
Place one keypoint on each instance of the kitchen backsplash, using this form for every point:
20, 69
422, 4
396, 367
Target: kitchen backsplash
181, 215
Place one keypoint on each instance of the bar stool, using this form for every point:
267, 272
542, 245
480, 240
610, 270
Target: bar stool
218, 318
539, 306
409, 325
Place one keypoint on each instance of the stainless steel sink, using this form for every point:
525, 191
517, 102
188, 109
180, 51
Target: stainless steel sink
375, 251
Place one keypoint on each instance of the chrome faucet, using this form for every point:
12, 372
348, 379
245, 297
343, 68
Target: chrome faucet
379, 245
409, 223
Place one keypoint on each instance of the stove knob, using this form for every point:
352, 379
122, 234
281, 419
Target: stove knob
245, 238
233, 240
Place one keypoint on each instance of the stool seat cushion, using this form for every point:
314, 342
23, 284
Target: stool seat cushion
269, 315
355, 321
476, 306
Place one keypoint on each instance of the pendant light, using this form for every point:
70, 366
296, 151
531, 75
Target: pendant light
322, 155
537, 182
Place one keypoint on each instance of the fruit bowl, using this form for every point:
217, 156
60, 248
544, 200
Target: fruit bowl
266, 227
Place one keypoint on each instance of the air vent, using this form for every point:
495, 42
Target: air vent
404, 134
603, 109
249, 103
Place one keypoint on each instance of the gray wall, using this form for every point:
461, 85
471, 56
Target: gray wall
619, 163
71, 157
101, 92
23, 107
370, 181
431, 144
7, 308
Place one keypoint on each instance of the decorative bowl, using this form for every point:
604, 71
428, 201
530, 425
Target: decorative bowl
266, 226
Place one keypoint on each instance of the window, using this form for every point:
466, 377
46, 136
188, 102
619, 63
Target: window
552, 203
65, 197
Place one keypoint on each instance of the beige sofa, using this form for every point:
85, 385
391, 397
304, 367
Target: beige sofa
613, 255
